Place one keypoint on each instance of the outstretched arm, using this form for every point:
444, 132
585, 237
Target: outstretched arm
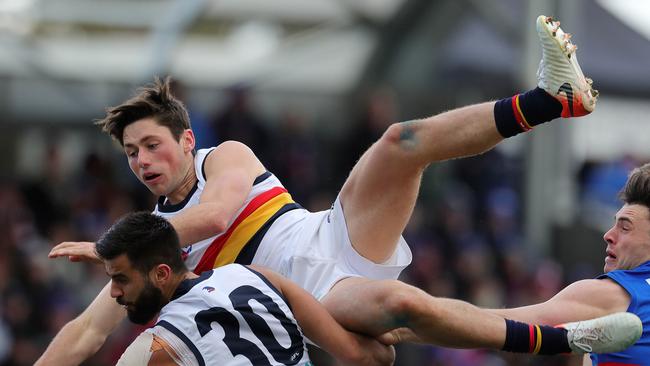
230, 169
83, 336
319, 326
580, 300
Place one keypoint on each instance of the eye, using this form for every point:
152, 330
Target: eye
152, 146
120, 280
625, 226
132, 154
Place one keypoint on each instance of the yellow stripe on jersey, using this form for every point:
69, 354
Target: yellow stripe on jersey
248, 227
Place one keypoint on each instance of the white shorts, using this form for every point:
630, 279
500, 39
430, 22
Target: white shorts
314, 250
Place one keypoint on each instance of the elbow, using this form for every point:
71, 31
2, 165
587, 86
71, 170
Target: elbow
218, 224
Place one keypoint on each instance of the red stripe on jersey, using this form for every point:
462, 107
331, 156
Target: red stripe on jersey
211, 253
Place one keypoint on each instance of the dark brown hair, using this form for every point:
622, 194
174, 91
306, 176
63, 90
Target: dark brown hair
637, 187
151, 101
146, 239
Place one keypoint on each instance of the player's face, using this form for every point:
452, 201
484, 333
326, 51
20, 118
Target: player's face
159, 161
133, 290
628, 241
146, 305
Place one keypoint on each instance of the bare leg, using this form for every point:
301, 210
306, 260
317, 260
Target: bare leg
376, 307
379, 195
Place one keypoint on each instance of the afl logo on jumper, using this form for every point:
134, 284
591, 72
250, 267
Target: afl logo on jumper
208, 288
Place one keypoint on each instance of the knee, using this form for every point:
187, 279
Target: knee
401, 135
403, 145
392, 136
403, 302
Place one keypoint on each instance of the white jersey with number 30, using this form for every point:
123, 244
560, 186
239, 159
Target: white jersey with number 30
231, 315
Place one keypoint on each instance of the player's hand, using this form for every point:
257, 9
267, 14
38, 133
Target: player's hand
371, 352
76, 251
399, 335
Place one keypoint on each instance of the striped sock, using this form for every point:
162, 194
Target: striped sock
522, 112
536, 339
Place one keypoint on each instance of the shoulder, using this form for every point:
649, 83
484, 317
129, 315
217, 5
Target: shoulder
603, 293
232, 146
594, 286
233, 155
223, 151
634, 281
151, 347
162, 353
228, 269
229, 152
640, 272
272, 279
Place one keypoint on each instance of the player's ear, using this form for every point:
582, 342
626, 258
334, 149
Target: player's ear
188, 140
161, 273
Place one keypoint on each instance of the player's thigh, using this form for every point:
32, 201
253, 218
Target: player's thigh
378, 198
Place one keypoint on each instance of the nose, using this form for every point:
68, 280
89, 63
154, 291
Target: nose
116, 291
609, 236
144, 160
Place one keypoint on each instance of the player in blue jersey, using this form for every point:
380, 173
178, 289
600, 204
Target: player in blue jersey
229, 316
625, 285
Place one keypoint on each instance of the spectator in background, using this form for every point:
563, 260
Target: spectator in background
295, 157
379, 110
238, 121
600, 183
203, 129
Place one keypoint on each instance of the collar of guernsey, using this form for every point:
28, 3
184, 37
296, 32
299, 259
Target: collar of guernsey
240, 242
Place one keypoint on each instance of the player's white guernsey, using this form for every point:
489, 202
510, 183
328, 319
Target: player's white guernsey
231, 316
267, 201
312, 249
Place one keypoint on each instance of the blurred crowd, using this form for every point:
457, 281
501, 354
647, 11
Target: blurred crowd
466, 232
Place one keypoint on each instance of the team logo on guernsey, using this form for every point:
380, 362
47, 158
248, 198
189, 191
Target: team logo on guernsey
185, 252
208, 288
647, 280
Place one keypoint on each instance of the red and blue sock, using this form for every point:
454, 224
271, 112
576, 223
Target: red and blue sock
536, 339
522, 112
